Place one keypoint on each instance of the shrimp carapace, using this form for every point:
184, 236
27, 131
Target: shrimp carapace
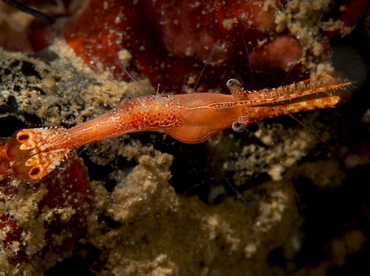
189, 118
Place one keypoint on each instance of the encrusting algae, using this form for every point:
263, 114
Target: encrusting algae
143, 206
117, 206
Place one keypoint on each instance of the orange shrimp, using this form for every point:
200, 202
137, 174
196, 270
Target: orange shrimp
189, 118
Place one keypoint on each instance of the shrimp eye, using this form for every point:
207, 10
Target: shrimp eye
22, 136
239, 127
233, 82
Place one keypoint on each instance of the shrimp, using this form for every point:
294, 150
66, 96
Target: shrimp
188, 118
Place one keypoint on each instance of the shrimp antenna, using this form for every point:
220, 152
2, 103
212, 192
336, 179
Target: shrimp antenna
42, 16
205, 66
322, 13
291, 67
249, 60
316, 134
130, 76
238, 195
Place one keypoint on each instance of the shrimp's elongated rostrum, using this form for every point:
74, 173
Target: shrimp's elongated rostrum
189, 118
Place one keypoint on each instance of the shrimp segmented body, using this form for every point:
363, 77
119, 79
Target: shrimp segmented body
189, 118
